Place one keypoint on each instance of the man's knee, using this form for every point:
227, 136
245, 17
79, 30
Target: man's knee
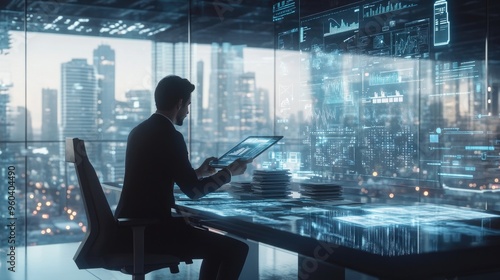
239, 246
242, 249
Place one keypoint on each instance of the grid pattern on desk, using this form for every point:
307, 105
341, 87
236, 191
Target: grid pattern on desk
413, 215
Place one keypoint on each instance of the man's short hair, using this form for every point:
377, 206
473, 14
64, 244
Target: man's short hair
170, 90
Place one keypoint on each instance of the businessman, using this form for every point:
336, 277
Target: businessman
156, 158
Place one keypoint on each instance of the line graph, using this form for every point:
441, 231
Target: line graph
414, 40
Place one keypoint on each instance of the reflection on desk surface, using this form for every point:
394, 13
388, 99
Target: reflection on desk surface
388, 230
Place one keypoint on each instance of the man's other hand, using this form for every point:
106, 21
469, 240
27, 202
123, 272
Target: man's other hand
238, 167
205, 169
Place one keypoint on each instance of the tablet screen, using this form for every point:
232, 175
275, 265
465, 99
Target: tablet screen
247, 149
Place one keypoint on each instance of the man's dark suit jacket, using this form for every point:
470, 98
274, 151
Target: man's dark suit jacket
156, 157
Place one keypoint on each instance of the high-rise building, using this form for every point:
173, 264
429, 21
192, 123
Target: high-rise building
22, 127
246, 92
5, 40
5, 155
170, 59
262, 111
78, 100
198, 113
139, 106
4, 101
104, 63
162, 61
129, 113
226, 68
49, 115
254, 113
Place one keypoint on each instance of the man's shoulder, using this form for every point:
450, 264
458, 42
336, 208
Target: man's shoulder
154, 127
154, 121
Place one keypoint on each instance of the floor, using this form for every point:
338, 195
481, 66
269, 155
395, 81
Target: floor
55, 262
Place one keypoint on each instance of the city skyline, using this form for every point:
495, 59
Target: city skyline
45, 59
133, 66
79, 94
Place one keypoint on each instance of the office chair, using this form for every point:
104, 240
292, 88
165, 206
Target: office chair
99, 246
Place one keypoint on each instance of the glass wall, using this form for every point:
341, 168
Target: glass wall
70, 70
393, 100
87, 69
234, 74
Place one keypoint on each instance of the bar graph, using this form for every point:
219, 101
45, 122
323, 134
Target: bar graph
335, 27
371, 10
341, 21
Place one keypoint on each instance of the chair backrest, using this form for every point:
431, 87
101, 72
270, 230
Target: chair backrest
102, 226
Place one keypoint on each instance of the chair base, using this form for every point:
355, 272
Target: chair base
174, 268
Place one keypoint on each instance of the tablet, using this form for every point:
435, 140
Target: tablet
247, 149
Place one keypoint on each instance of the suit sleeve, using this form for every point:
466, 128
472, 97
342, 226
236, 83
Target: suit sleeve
185, 175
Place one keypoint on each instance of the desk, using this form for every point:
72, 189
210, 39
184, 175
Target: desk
416, 241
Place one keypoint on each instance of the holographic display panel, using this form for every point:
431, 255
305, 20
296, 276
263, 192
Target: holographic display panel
388, 93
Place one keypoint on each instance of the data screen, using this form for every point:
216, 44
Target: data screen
389, 94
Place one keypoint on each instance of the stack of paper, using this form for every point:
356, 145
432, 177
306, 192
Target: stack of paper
241, 187
321, 190
271, 183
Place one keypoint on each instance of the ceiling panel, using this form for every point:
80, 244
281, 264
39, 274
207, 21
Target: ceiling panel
242, 22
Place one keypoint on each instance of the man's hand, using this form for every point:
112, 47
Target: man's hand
205, 169
238, 167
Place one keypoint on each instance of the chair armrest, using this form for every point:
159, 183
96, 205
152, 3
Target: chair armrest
136, 222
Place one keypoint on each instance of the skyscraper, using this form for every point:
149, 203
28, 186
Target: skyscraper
198, 113
22, 127
129, 113
226, 68
104, 63
78, 100
139, 106
170, 59
49, 114
6, 156
253, 112
4, 101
